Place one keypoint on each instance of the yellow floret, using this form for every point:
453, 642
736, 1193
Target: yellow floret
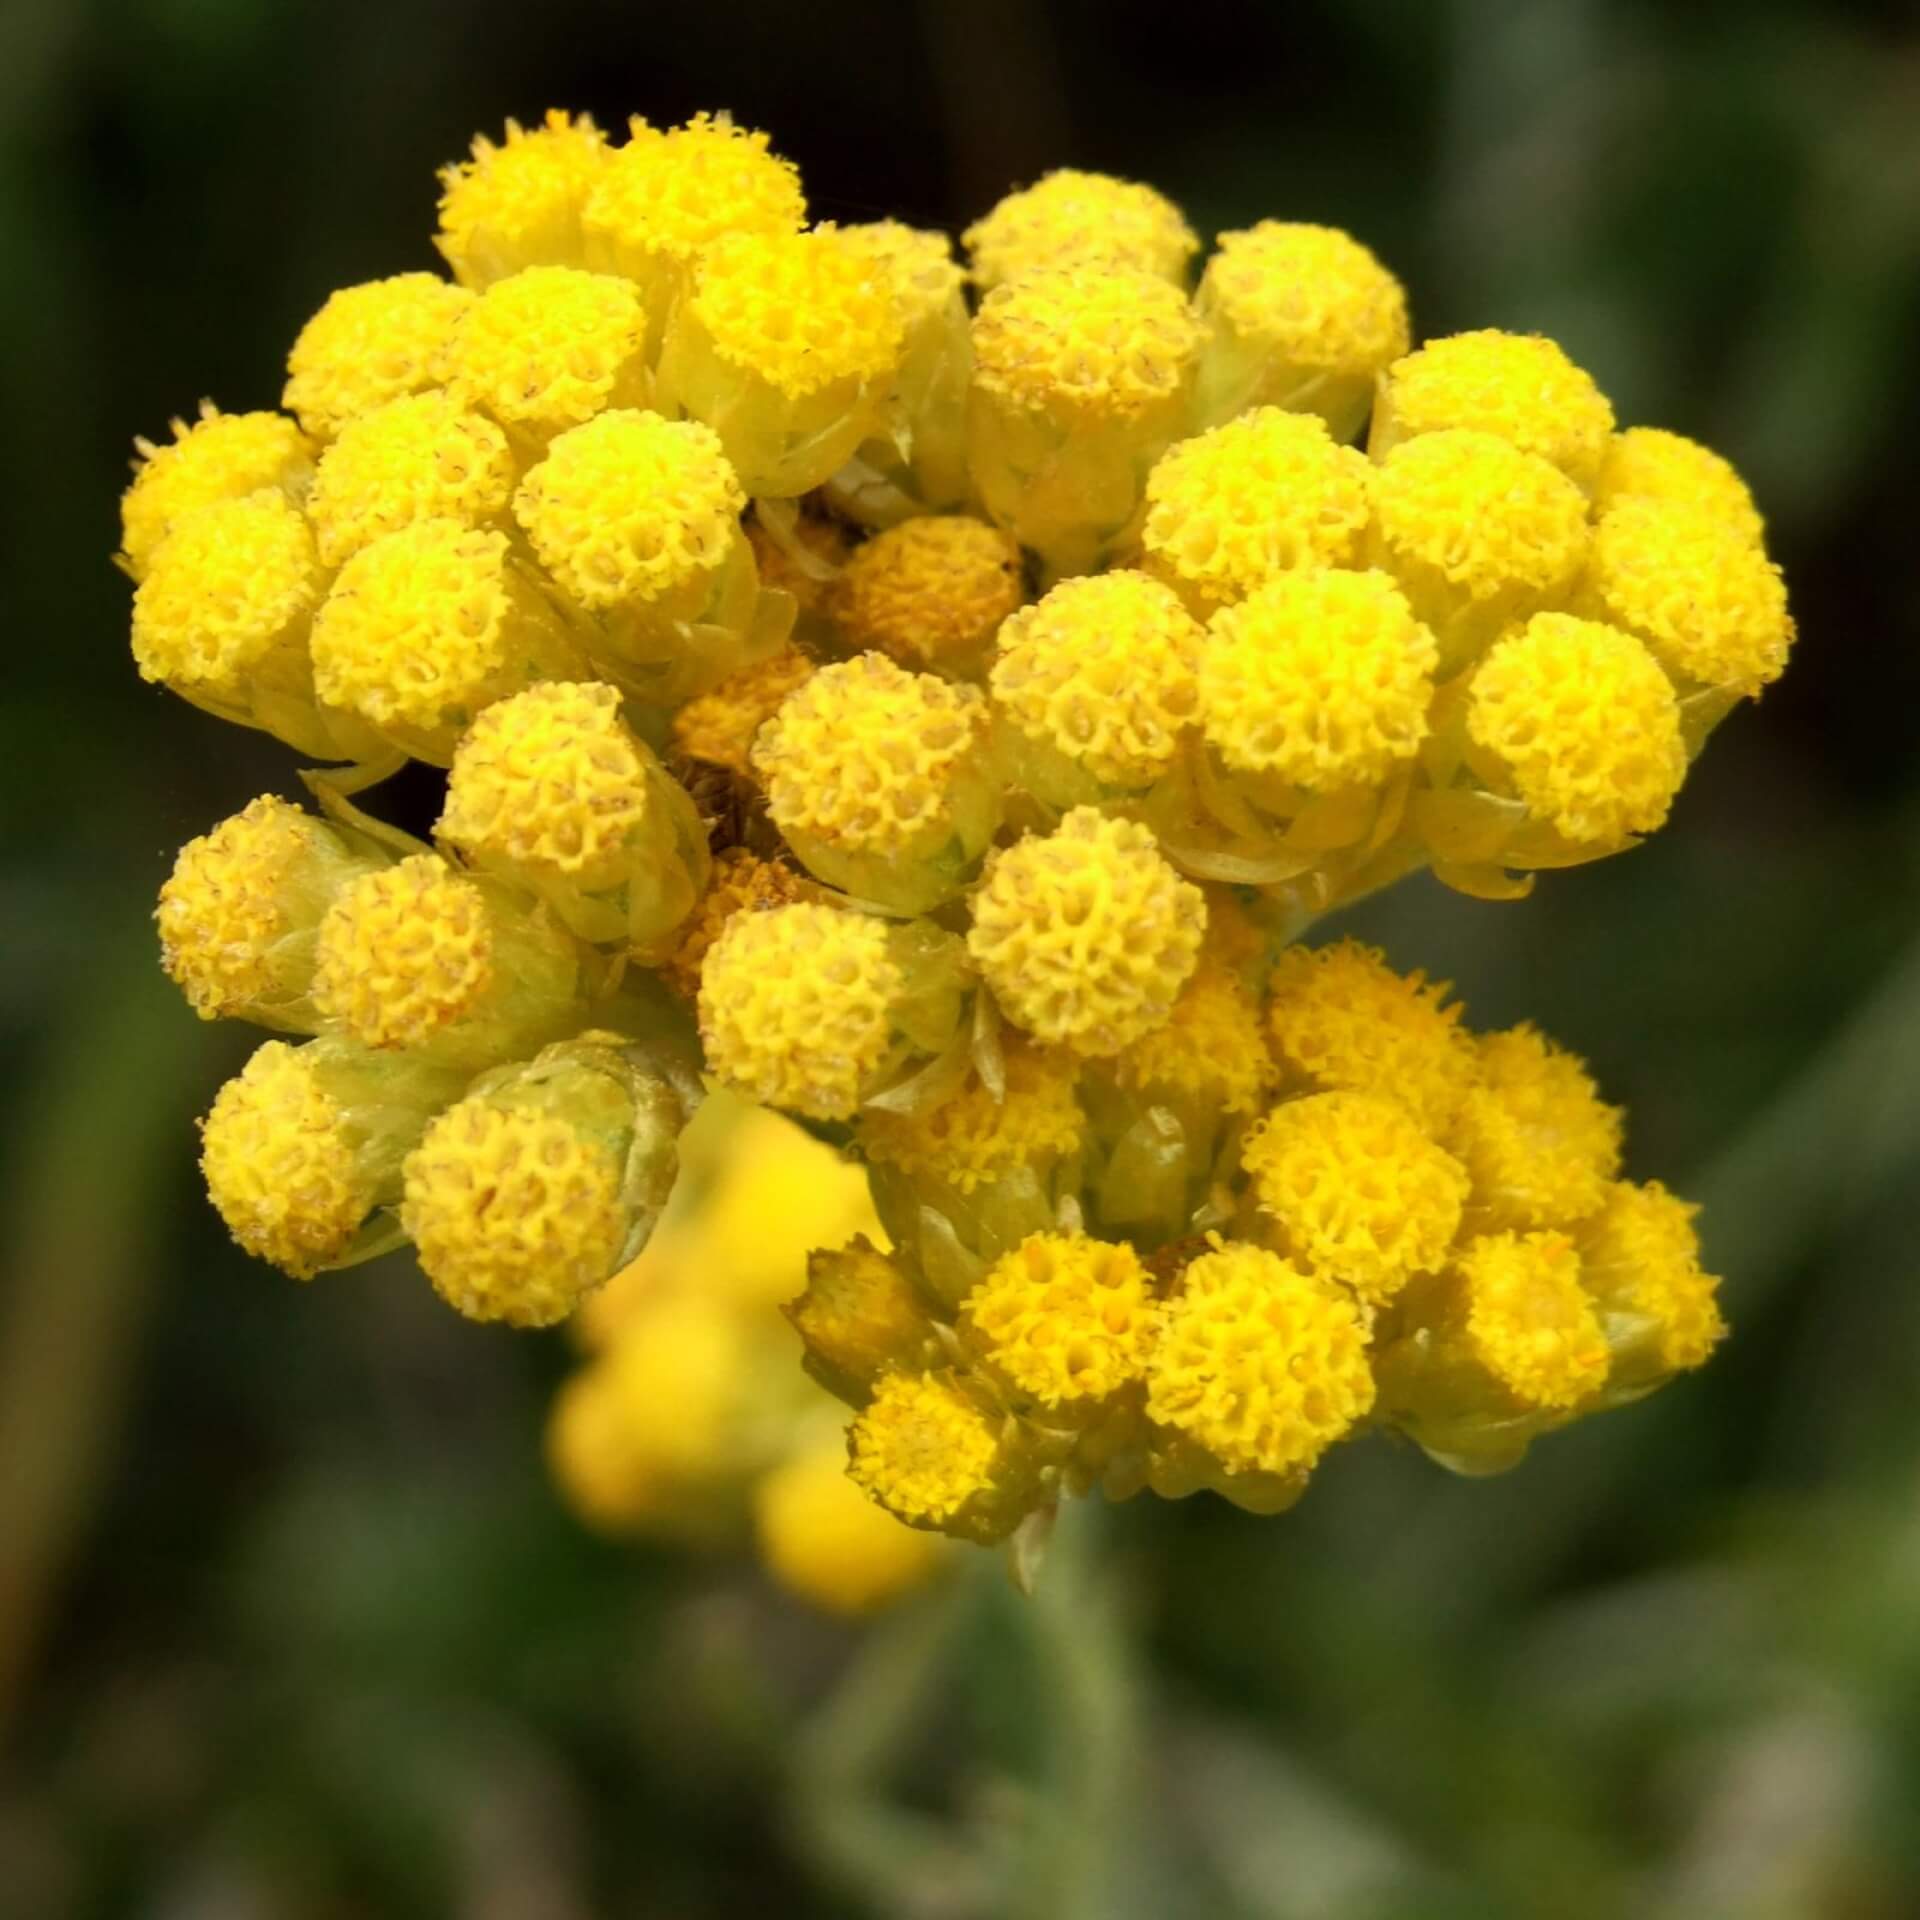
1360, 1193
1262, 1365
1585, 725
864, 755
630, 508
414, 458
518, 204
1528, 1320
923, 1449
1088, 342
1068, 215
824, 1540
1229, 509
1536, 1138
1706, 600
279, 1165
1086, 935
1642, 1260
549, 347
1341, 1018
920, 261
1648, 463
404, 953
1211, 1049
796, 1006
742, 883
720, 727
1520, 386
514, 1214
370, 344
221, 456
228, 586
931, 592
1321, 678
1102, 671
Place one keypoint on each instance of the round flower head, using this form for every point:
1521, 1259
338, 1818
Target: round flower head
1086, 935
1520, 386
919, 261
1341, 1018
720, 727
1648, 463
1641, 1262
741, 883
1068, 215
221, 456
1259, 1364
1528, 1320
370, 344
1211, 1049
1322, 679
824, 1540
518, 204
1230, 508
931, 592
1101, 672
1582, 723
1705, 599
925, 1450
420, 457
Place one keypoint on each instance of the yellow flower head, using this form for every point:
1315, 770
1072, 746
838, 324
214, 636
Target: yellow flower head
420, 457
630, 507
924, 1449
1642, 1260
518, 204
1536, 1138
1528, 1320
1360, 1193
1648, 463
1086, 935
1585, 725
865, 755
920, 261
742, 883
796, 1006
1230, 508
1705, 599
1322, 678
370, 344
825, 1541
931, 592
1262, 1365
1085, 342
549, 347
223, 590
221, 456
1102, 671
720, 727
1211, 1049
1520, 386
1341, 1018
1089, 218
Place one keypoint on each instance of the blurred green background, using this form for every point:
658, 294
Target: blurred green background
291, 1626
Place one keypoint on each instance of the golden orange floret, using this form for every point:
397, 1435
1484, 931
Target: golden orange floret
1361, 1194
1649, 463
226, 587
930, 591
800, 310
518, 204
630, 507
279, 1166
1642, 1258
1341, 1018
549, 347
403, 953
1705, 599
864, 754
414, 458
1520, 386
826, 1541
742, 883
221, 456
1213, 1047
514, 1213
1071, 215
973, 1138
796, 1006
925, 274
1102, 670
720, 727
1528, 1319
1086, 935
1585, 725
1259, 1363
551, 778
1538, 1142
370, 344
1089, 342
667, 195
1232, 507
923, 1449
1321, 678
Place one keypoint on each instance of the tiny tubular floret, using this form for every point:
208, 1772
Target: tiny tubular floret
1089, 217
924, 1449
930, 592
1649, 463
370, 344
1212, 1048
720, 727
1529, 1321
1641, 1261
518, 204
